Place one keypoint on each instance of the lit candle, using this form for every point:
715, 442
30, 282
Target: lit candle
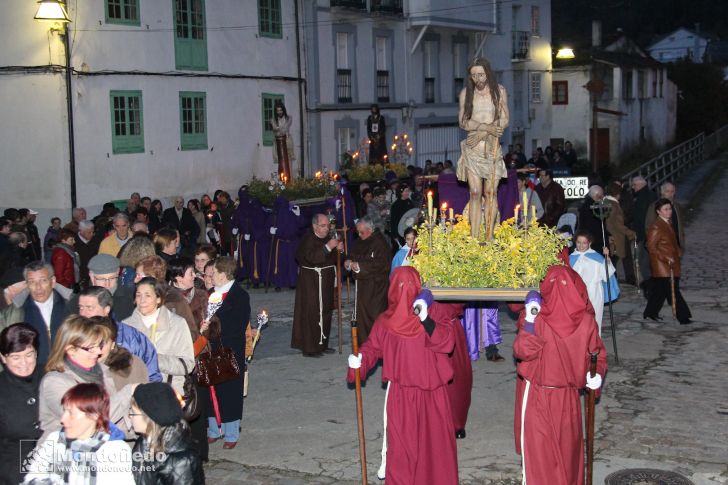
429, 205
533, 213
515, 217
443, 211
452, 214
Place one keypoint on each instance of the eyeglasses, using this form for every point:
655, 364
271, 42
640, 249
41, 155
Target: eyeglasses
106, 280
91, 348
131, 414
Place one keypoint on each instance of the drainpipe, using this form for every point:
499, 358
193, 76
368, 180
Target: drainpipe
69, 113
301, 131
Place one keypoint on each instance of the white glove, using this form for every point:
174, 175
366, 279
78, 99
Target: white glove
273, 230
356, 221
338, 204
296, 210
235, 231
593, 383
246, 237
355, 361
422, 304
530, 314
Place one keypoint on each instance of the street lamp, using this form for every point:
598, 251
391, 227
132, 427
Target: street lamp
55, 11
52, 11
565, 53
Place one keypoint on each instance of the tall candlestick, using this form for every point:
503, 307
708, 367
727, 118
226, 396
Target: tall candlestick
452, 218
524, 206
533, 213
429, 206
443, 209
515, 217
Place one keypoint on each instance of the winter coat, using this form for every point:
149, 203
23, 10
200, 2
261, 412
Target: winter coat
662, 244
65, 265
181, 464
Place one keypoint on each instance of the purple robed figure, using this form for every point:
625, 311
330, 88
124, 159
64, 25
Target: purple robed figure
284, 270
449, 190
262, 220
243, 221
349, 215
508, 195
482, 328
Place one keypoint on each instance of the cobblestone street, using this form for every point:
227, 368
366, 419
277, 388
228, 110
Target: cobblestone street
658, 409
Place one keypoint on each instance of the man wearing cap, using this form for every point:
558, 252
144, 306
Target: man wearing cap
104, 272
96, 301
44, 310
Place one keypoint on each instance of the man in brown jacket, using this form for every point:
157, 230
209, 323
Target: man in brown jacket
552, 198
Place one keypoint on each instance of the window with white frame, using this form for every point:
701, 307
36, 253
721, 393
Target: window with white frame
343, 71
535, 87
343, 141
429, 50
381, 47
535, 20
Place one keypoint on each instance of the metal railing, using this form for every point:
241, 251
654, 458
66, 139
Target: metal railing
669, 165
520, 44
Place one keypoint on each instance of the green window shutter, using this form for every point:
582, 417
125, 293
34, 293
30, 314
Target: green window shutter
127, 125
268, 103
190, 35
269, 18
193, 120
124, 12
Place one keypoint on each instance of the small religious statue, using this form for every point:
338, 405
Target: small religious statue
484, 115
283, 153
377, 133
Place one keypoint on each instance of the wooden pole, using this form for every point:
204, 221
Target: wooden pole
359, 407
345, 230
338, 296
672, 293
590, 403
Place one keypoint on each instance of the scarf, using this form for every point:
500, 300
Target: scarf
94, 375
80, 457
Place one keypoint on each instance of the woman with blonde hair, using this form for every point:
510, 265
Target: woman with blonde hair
168, 332
166, 243
74, 359
164, 452
139, 247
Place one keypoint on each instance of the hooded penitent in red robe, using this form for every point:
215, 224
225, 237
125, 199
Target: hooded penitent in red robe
461, 386
420, 435
552, 368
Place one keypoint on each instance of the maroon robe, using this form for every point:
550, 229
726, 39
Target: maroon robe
420, 435
552, 368
460, 388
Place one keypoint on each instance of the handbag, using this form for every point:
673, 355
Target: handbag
191, 403
217, 366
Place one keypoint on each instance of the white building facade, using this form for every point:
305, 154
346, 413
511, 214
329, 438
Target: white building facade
636, 102
410, 57
678, 45
168, 98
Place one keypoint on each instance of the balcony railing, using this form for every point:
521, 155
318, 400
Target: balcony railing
387, 6
521, 41
383, 86
343, 85
357, 4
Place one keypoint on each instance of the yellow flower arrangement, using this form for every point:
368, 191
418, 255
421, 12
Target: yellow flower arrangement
517, 257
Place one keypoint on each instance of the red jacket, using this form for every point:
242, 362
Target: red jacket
63, 267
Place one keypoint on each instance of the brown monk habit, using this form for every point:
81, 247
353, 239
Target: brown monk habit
372, 281
307, 334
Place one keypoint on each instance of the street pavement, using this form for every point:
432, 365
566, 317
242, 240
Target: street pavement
658, 409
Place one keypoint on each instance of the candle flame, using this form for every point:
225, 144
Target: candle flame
429, 193
444, 205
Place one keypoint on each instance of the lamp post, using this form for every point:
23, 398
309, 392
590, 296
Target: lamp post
596, 88
55, 11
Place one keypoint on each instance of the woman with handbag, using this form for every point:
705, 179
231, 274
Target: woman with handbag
167, 331
227, 330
